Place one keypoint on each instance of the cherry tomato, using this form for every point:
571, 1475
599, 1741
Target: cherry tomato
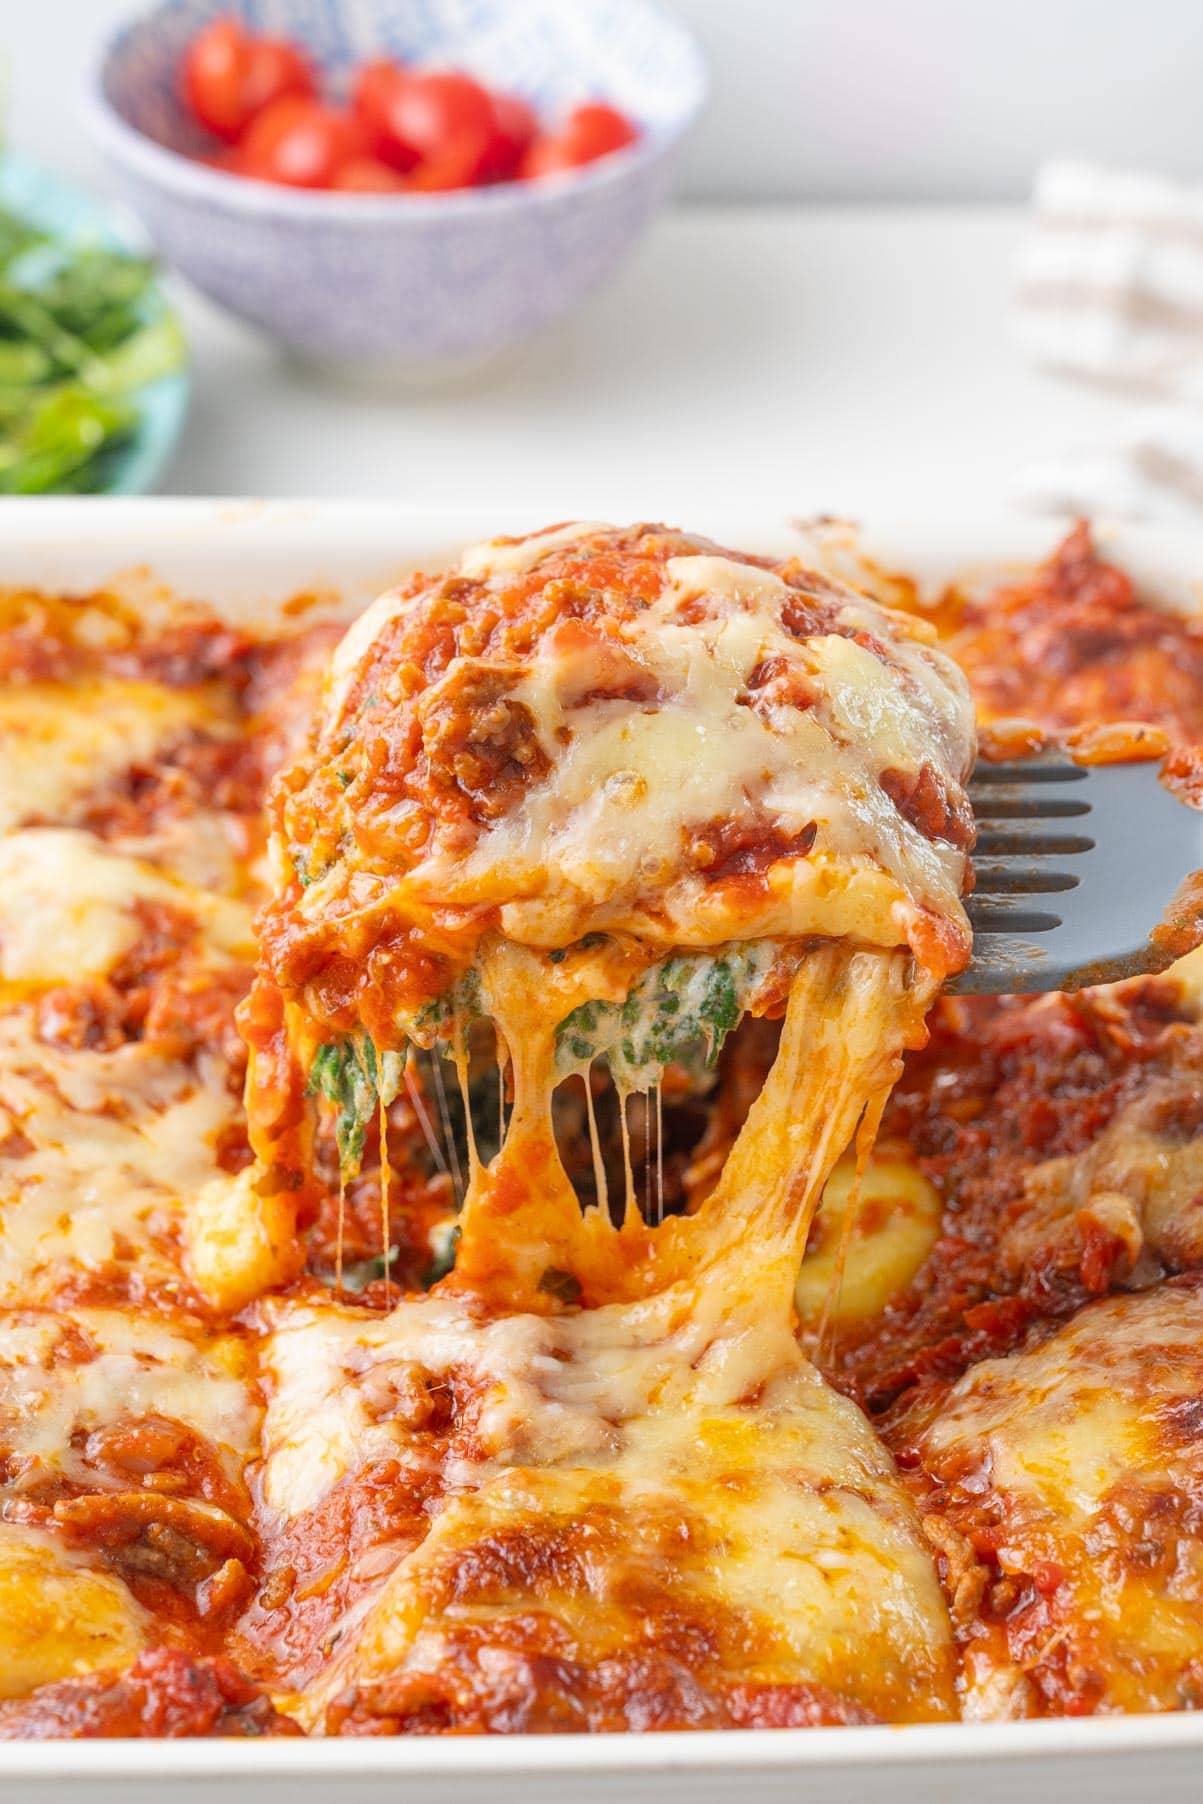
589, 132
228, 76
515, 127
300, 143
460, 165
444, 120
372, 97
275, 68
213, 77
367, 175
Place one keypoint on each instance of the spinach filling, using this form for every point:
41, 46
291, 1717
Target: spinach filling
437, 1021
680, 1012
356, 1079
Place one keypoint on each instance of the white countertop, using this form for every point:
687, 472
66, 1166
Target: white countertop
850, 360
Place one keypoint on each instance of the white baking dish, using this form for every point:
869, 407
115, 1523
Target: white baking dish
248, 557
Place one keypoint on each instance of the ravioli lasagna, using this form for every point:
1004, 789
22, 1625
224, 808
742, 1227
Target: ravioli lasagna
569, 1330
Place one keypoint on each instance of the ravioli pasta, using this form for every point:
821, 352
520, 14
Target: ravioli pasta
531, 1348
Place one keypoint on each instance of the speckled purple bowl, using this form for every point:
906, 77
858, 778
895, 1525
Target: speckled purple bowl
418, 281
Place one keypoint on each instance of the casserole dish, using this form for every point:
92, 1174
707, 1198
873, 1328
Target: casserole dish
248, 559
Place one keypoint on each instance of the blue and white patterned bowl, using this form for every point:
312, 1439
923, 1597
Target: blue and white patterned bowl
415, 280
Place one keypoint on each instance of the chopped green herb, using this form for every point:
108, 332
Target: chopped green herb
720, 1007
81, 331
304, 865
298, 858
483, 1107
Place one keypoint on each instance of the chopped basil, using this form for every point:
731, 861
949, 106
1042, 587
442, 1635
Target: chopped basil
679, 1012
350, 1074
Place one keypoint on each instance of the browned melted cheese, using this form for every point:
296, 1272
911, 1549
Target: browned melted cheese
571, 758
1062, 1486
131, 775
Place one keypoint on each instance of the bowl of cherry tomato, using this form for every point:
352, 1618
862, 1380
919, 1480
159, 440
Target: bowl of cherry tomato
422, 182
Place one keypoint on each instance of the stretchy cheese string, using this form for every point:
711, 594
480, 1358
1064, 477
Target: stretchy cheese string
440, 1091
459, 1059
342, 1212
385, 1174
629, 1205
866, 1136
850, 1015
418, 1103
600, 1182
659, 1095
688, 1362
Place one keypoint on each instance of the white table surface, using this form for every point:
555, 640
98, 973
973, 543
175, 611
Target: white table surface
852, 360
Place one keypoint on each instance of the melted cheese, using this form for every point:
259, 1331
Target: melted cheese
60, 1618
739, 1529
1061, 1424
516, 557
600, 844
52, 1394
1138, 1184
640, 1414
240, 1240
204, 851
688, 1402
67, 907
59, 741
108, 1148
1083, 1457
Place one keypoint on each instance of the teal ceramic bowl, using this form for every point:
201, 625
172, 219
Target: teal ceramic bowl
138, 463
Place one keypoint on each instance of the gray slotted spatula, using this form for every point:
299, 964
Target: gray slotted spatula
1076, 865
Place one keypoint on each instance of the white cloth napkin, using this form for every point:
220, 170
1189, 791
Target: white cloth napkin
1109, 288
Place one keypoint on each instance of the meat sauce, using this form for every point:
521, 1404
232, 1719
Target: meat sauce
1004, 1085
165, 1693
1076, 645
1007, 1083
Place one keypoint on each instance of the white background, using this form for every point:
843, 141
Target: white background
830, 99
